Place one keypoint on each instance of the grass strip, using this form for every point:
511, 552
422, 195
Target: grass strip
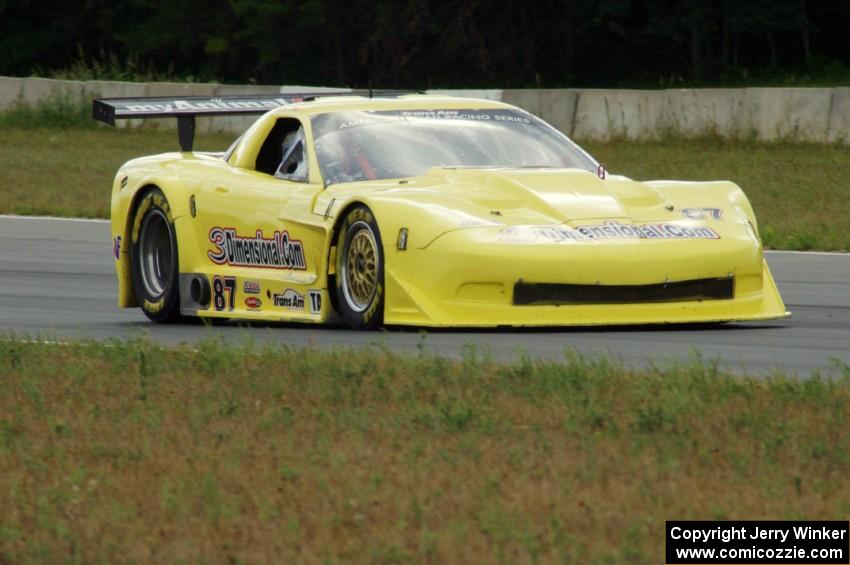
799, 191
129, 451
69, 172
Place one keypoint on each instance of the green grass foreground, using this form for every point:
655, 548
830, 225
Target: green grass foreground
799, 191
126, 451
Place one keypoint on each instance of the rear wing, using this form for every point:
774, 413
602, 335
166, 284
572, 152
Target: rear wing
187, 108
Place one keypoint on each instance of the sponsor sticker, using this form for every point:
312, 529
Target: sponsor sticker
253, 303
466, 115
116, 247
251, 287
211, 104
475, 223
702, 213
279, 251
315, 297
289, 299
607, 230
224, 293
372, 118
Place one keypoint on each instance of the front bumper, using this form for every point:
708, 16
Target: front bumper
468, 278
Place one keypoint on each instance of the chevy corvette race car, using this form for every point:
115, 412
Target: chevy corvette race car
419, 210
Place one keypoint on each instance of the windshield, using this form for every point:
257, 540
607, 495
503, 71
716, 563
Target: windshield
356, 146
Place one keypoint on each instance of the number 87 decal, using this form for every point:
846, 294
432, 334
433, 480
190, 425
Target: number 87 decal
222, 285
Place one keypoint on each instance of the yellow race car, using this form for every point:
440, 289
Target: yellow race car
419, 210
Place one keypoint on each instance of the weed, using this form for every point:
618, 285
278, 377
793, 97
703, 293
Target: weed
60, 112
108, 66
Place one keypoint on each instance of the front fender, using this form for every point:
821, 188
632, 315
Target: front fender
723, 194
424, 219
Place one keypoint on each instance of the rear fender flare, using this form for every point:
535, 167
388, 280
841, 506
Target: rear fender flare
179, 207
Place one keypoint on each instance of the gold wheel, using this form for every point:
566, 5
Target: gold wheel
360, 279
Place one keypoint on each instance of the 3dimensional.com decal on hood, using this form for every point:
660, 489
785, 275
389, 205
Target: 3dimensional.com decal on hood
608, 230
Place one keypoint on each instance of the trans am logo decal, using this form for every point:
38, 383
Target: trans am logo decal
290, 299
608, 230
277, 252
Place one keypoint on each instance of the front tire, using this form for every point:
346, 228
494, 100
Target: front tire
360, 270
153, 258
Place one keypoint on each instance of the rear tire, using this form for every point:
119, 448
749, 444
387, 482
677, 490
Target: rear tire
359, 276
153, 258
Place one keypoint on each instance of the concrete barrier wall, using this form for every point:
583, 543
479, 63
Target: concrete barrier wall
801, 114
798, 114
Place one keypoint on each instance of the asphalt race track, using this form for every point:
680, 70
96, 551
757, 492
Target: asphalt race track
57, 282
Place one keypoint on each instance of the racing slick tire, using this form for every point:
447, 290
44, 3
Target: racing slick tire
153, 258
360, 270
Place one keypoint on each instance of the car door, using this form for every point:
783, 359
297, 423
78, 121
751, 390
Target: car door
265, 247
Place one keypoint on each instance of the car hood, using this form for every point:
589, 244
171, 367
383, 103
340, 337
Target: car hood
557, 195
521, 195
